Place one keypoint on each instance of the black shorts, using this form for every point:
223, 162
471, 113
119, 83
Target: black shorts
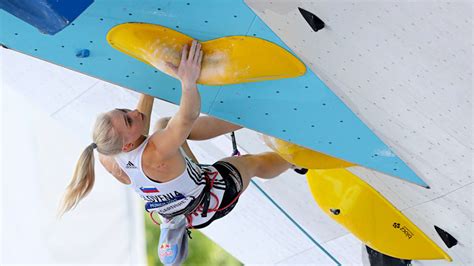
233, 186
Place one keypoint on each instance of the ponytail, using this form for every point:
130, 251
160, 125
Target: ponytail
108, 142
82, 181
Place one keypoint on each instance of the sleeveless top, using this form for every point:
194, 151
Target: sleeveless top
171, 198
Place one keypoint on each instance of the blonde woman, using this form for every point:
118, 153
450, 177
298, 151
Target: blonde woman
158, 168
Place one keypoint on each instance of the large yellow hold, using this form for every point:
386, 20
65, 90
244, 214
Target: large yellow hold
357, 206
302, 156
370, 217
227, 60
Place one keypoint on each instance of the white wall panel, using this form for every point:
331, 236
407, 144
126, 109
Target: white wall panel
257, 232
33, 77
405, 69
39, 155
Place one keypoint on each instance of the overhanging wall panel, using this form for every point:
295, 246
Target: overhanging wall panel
302, 110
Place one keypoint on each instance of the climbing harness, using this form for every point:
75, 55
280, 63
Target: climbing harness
201, 207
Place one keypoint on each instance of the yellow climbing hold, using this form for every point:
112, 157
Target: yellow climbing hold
227, 60
304, 157
369, 216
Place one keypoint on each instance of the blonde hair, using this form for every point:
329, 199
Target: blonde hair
108, 142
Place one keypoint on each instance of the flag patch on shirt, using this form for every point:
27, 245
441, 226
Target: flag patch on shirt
149, 189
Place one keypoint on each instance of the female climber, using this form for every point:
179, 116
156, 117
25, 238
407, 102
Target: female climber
160, 167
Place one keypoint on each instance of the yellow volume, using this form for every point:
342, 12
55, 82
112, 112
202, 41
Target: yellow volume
357, 206
304, 157
227, 60
369, 216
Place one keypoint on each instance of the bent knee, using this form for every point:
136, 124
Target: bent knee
247, 164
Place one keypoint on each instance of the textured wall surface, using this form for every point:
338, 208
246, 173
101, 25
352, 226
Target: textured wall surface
405, 69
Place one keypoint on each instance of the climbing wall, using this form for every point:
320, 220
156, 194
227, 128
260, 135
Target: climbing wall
301, 110
405, 69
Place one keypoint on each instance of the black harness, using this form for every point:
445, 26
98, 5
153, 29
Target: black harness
203, 199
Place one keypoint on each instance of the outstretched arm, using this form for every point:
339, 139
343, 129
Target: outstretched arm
145, 105
169, 140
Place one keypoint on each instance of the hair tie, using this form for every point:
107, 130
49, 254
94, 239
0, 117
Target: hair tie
94, 145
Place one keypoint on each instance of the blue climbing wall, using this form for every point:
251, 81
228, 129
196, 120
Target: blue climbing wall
48, 16
301, 110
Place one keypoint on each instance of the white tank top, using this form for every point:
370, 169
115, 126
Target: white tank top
175, 195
